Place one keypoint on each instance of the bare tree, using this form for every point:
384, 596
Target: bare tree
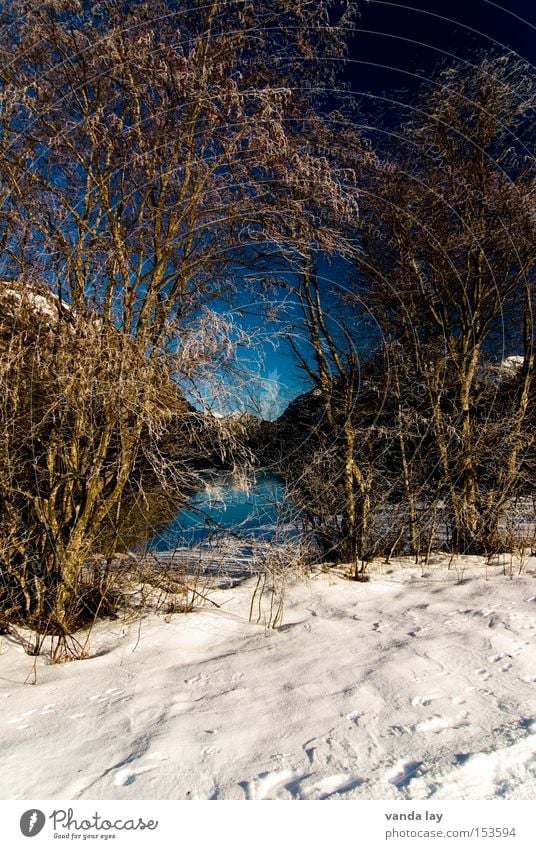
150, 151
447, 260
332, 444
335, 374
73, 392
427, 441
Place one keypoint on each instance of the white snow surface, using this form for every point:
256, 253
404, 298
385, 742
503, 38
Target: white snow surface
46, 304
419, 684
513, 362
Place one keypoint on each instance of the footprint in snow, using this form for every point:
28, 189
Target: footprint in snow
210, 750
354, 716
23, 718
483, 674
110, 696
399, 730
267, 784
439, 723
197, 681
403, 772
423, 701
285, 783
435, 724
329, 786
125, 777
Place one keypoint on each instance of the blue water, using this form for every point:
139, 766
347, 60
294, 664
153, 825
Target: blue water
227, 506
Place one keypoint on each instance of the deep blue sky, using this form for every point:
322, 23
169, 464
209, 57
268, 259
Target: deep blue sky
395, 45
411, 36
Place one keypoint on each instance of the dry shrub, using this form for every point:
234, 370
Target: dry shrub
82, 415
277, 566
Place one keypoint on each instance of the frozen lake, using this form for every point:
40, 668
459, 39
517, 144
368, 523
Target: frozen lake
250, 507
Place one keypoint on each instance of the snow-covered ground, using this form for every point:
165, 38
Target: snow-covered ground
410, 686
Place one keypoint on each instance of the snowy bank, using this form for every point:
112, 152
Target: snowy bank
411, 686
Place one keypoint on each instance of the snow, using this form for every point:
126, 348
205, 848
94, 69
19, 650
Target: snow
419, 684
512, 363
46, 305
